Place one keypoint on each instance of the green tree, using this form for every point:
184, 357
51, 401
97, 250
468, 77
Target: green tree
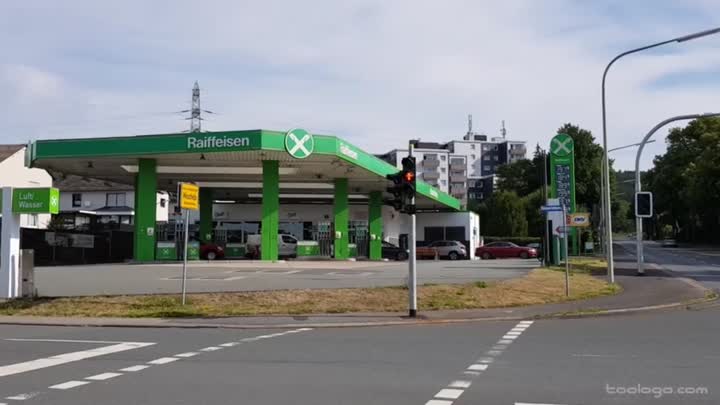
523, 176
504, 215
535, 219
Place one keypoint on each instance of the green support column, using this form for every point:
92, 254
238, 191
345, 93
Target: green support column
270, 210
145, 207
341, 211
375, 225
206, 215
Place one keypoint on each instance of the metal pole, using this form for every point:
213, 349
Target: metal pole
567, 253
185, 246
638, 185
546, 247
412, 276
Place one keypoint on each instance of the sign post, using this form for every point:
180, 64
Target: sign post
567, 254
562, 176
189, 200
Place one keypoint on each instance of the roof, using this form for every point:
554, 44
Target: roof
71, 182
8, 150
229, 161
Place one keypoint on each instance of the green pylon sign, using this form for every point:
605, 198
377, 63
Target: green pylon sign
562, 178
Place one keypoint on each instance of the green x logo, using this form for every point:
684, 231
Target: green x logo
299, 143
561, 145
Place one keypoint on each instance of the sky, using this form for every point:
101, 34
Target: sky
375, 73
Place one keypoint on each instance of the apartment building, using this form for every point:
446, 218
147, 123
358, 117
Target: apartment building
462, 168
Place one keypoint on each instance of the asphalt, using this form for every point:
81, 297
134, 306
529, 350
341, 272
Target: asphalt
559, 361
128, 279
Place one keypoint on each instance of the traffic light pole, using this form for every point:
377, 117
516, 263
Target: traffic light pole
412, 274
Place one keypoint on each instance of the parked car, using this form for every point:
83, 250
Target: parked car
426, 252
211, 251
497, 250
390, 251
669, 243
287, 246
450, 249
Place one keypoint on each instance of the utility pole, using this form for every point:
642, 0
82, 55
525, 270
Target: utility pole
412, 273
503, 131
546, 244
195, 111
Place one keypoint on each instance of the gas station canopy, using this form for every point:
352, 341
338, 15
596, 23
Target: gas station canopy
231, 164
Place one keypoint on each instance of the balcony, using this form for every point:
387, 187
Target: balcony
458, 190
430, 163
520, 150
457, 177
430, 175
458, 166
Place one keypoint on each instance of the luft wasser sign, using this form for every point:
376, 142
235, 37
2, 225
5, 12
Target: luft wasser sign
36, 201
205, 142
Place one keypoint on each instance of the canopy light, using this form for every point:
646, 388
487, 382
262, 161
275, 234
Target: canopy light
209, 170
251, 184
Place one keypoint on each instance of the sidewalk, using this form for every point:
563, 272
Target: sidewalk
658, 290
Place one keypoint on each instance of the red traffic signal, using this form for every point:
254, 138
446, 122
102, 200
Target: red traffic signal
409, 176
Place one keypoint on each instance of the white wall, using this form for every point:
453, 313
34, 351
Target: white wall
13, 173
93, 200
288, 212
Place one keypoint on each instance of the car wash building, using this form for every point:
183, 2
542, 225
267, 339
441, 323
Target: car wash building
322, 190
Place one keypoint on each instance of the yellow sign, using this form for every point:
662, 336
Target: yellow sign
579, 219
189, 196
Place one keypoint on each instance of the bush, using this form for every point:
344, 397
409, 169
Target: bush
518, 240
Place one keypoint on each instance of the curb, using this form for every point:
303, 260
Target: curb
78, 322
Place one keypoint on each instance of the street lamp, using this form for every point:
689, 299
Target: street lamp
630, 146
606, 160
638, 185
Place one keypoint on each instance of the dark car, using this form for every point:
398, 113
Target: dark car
390, 251
496, 250
211, 251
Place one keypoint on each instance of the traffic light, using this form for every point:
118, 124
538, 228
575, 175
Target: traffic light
409, 177
643, 204
396, 190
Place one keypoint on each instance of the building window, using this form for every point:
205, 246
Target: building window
486, 157
443, 182
163, 203
442, 170
115, 200
76, 199
442, 157
495, 158
473, 157
472, 146
495, 147
32, 220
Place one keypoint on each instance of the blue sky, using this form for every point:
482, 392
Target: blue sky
374, 72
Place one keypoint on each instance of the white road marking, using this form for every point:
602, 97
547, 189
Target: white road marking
494, 352
533, 403
69, 357
163, 360
478, 367
103, 376
486, 360
475, 373
510, 337
229, 344
438, 402
449, 393
460, 384
210, 349
186, 355
504, 341
511, 333
22, 397
501, 346
68, 385
233, 278
134, 368
107, 342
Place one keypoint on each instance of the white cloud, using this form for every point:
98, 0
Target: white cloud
375, 72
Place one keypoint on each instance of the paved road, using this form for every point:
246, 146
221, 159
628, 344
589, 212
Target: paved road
252, 276
571, 361
701, 264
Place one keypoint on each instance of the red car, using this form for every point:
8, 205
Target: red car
211, 251
497, 250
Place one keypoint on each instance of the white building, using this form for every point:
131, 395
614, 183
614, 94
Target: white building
13, 173
463, 168
85, 200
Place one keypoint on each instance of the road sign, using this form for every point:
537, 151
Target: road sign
189, 196
551, 208
561, 145
562, 229
299, 143
35, 200
643, 204
578, 219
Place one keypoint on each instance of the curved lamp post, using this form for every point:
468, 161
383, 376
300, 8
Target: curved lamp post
606, 163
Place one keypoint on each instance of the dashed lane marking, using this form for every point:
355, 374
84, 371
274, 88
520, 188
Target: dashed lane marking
456, 388
22, 397
103, 376
134, 368
163, 360
186, 355
68, 385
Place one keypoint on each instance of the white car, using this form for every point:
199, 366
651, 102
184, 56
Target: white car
287, 245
